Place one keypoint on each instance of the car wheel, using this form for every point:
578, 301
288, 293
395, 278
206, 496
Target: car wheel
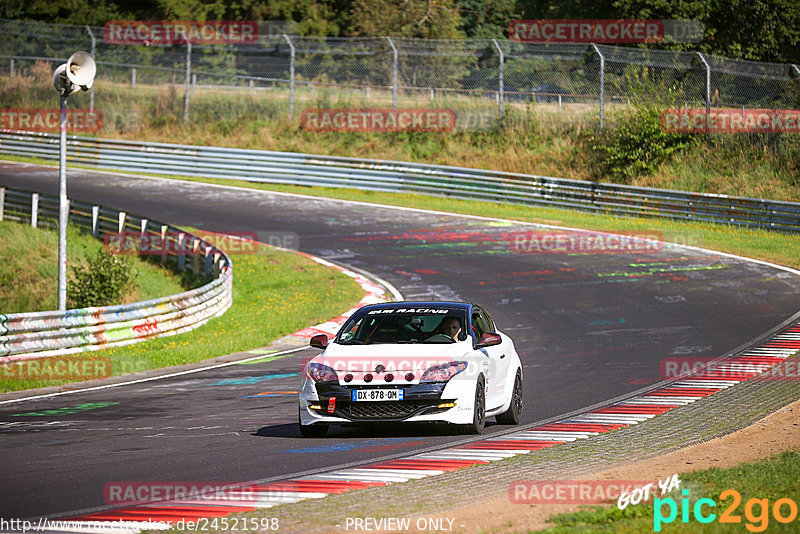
311, 431
513, 415
479, 413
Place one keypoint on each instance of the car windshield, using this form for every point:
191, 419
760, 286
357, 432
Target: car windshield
392, 325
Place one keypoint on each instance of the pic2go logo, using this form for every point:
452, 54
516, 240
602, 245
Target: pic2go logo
756, 511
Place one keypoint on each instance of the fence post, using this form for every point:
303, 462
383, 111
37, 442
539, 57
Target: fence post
394, 73
188, 80
95, 219
602, 85
708, 93
181, 251
34, 210
11, 68
500, 82
291, 75
91, 90
133, 77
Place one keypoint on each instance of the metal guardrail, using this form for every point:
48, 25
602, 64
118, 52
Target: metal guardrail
52, 333
378, 175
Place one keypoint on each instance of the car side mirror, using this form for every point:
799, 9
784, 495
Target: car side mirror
489, 340
320, 341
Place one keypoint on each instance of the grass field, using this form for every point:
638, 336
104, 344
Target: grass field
534, 138
274, 293
29, 270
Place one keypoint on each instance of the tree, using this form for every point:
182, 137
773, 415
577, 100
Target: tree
486, 20
430, 19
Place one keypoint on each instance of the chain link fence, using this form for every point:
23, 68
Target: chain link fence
482, 80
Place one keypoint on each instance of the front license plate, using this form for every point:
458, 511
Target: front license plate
377, 395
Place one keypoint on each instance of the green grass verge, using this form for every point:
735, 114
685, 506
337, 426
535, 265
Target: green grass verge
274, 294
772, 479
29, 270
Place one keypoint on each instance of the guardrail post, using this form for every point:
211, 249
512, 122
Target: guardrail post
2, 201
188, 80
91, 90
195, 255
164, 245
181, 251
708, 93
291, 75
133, 77
215, 269
394, 73
34, 210
602, 85
144, 226
95, 219
121, 220
500, 82
209, 261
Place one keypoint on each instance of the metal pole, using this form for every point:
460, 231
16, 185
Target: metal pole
602, 85
62, 207
188, 80
11, 68
500, 83
91, 90
394, 73
291, 75
795, 67
708, 93
133, 77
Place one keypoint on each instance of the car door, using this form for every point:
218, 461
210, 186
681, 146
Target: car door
494, 363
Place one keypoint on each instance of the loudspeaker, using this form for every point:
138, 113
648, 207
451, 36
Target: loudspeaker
77, 73
81, 69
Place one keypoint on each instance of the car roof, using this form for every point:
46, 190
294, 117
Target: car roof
419, 304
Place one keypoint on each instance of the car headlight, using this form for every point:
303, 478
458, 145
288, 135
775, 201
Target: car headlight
443, 372
319, 372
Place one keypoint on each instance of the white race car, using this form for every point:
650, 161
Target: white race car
436, 362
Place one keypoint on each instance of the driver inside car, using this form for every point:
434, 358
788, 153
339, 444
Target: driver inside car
448, 330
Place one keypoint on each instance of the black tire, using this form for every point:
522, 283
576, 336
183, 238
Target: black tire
311, 431
479, 413
513, 415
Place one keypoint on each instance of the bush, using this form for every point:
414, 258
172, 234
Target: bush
635, 145
104, 280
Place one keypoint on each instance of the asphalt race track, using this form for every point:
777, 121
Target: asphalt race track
588, 327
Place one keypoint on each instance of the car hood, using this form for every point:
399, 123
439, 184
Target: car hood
393, 357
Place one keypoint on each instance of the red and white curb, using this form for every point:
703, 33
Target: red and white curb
747, 365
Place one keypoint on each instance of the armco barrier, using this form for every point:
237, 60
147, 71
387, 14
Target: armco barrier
456, 182
51, 333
